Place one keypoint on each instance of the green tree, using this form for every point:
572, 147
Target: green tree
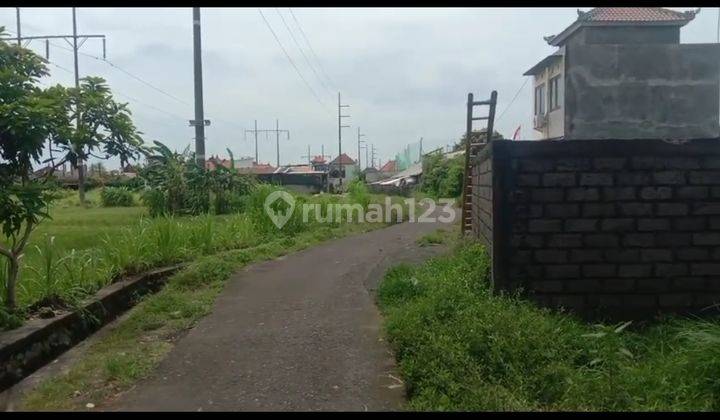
102, 128
29, 115
479, 136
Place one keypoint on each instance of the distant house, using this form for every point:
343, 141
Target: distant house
214, 162
319, 164
244, 162
129, 171
349, 170
262, 168
371, 174
621, 73
389, 167
296, 169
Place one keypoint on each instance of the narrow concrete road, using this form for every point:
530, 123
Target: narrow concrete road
298, 333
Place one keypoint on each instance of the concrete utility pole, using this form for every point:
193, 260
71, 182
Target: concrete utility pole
277, 141
322, 152
372, 153
367, 162
256, 143
308, 156
80, 162
360, 141
17, 20
340, 127
199, 122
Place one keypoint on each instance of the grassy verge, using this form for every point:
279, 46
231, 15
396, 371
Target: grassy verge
438, 237
137, 345
461, 348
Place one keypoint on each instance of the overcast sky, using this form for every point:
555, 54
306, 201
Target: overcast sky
404, 72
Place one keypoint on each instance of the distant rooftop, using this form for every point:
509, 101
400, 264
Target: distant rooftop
343, 159
623, 16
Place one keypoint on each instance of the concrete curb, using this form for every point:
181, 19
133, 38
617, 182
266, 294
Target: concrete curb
39, 341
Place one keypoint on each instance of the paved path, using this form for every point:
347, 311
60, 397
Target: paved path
297, 333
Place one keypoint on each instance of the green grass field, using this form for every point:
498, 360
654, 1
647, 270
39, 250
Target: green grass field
460, 347
83, 248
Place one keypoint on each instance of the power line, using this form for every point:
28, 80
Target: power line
134, 76
311, 48
138, 78
291, 60
128, 73
301, 51
60, 67
513, 99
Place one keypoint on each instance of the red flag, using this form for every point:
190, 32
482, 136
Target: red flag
517, 133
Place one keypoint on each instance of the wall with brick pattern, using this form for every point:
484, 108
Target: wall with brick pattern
613, 229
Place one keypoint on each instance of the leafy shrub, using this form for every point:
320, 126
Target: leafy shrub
177, 185
156, 202
359, 193
442, 177
117, 197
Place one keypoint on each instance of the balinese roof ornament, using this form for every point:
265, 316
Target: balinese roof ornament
691, 13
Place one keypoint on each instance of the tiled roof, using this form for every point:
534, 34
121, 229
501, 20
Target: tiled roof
634, 14
343, 159
318, 159
295, 169
389, 166
263, 168
623, 16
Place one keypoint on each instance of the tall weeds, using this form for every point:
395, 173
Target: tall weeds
461, 347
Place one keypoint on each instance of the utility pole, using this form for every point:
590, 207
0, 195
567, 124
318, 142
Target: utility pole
17, 20
322, 152
340, 127
367, 162
255, 131
80, 162
199, 122
308, 156
277, 140
372, 153
277, 132
360, 141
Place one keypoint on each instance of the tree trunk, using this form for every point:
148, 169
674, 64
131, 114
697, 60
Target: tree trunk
12, 276
81, 181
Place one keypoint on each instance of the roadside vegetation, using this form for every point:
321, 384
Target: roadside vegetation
442, 177
80, 250
437, 237
461, 348
138, 343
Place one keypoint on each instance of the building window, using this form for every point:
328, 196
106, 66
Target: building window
554, 90
540, 99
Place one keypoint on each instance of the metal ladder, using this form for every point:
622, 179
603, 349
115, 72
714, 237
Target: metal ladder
471, 150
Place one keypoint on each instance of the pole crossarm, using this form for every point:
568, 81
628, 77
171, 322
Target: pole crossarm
24, 38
